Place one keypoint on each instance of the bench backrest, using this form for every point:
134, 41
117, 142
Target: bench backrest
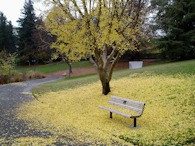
128, 104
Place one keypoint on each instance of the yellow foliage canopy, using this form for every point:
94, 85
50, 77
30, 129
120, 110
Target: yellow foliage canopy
106, 25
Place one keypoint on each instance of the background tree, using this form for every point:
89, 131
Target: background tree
102, 30
175, 28
27, 47
43, 41
7, 38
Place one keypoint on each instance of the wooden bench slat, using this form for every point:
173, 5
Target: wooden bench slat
127, 103
138, 110
135, 103
115, 111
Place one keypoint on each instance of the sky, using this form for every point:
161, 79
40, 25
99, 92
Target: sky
12, 9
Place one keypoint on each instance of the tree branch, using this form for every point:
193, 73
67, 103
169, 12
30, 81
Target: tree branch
85, 7
104, 57
113, 65
90, 8
112, 53
58, 2
137, 15
93, 61
123, 10
99, 12
77, 8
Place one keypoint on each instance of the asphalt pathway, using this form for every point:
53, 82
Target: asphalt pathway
11, 97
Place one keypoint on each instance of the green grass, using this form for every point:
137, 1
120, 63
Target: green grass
53, 67
183, 67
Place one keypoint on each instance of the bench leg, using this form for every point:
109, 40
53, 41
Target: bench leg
111, 115
134, 125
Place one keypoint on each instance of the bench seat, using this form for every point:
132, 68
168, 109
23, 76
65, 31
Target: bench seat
132, 105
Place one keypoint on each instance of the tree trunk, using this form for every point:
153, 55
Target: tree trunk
105, 87
69, 66
70, 69
104, 78
104, 70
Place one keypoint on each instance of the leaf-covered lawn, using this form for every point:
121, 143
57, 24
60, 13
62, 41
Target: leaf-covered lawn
168, 118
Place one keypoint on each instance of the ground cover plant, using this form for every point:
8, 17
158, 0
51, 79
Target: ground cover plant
168, 91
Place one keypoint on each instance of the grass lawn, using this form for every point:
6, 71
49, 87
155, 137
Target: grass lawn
53, 67
69, 108
184, 67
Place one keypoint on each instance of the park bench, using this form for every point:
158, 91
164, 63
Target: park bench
133, 105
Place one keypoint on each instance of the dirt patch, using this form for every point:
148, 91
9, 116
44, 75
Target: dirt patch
76, 72
85, 70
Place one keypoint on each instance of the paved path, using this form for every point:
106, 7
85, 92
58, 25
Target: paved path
11, 96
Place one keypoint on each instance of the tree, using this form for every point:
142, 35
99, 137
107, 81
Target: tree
175, 24
27, 24
102, 30
7, 38
43, 41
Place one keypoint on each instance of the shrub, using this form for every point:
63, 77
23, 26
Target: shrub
33, 75
17, 77
4, 79
7, 64
7, 72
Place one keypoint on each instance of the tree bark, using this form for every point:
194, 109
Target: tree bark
104, 70
103, 76
69, 69
105, 88
69, 65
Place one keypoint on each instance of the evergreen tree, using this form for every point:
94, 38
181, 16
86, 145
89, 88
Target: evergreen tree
11, 43
7, 39
27, 47
175, 20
